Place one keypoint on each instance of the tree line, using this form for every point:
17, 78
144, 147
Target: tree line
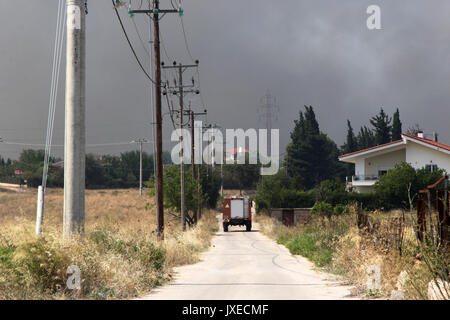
312, 171
102, 171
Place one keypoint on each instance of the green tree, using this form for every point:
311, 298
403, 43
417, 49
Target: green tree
382, 127
351, 144
31, 162
172, 189
268, 195
396, 126
210, 184
241, 176
400, 185
312, 155
365, 138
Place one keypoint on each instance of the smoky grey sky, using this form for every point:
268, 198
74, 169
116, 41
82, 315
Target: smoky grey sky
306, 52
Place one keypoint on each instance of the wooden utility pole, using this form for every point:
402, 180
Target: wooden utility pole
183, 196
199, 168
192, 115
180, 91
191, 118
158, 115
140, 142
75, 124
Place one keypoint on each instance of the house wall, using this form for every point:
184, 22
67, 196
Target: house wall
363, 189
419, 156
360, 167
384, 162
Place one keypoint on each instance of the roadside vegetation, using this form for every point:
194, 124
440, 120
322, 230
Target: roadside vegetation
349, 233
336, 244
119, 256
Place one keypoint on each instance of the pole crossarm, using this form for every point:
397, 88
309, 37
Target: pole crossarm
184, 67
140, 141
155, 11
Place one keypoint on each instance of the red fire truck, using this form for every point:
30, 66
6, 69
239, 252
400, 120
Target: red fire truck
237, 211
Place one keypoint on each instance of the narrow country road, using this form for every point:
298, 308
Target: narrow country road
248, 265
13, 187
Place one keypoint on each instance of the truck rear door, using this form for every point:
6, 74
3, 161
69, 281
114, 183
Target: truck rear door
237, 209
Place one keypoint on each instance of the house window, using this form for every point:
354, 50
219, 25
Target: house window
381, 172
431, 167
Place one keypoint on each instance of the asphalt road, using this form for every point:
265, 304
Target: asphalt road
248, 265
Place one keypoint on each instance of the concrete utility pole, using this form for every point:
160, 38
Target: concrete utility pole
180, 91
140, 142
75, 131
159, 163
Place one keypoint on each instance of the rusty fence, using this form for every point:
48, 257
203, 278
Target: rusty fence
386, 232
433, 219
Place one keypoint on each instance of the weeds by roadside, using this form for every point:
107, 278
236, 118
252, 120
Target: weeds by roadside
334, 242
119, 257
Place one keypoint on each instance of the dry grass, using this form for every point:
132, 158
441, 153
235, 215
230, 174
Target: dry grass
119, 257
353, 251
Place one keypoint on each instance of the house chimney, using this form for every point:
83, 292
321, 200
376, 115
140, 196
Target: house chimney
420, 134
435, 137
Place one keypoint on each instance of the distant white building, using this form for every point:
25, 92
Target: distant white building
234, 153
373, 162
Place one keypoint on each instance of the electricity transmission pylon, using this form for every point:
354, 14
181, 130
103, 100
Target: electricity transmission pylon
268, 113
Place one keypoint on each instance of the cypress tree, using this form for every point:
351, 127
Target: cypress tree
351, 144
312, 155
396, 126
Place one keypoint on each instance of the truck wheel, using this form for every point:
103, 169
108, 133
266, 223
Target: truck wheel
225, 227
249, 226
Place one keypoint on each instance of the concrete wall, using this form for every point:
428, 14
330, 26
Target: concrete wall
419, 156
301, 215
384, 162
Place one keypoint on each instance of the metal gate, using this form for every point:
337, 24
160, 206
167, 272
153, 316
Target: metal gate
288, 217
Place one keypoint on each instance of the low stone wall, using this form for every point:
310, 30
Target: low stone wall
291, 216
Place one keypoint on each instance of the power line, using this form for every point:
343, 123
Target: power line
185, 39
131, 46
61, 145
140, 38
61, 17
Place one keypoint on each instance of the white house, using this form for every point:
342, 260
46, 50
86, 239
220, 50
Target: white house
373, 162
234, 153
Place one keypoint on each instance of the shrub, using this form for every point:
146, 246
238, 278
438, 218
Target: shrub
312, 245
150, 255
340, 209
290, 198
400, 185
322, 209
37, 265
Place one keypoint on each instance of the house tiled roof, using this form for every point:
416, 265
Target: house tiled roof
372, 148
236, 150
430, 142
